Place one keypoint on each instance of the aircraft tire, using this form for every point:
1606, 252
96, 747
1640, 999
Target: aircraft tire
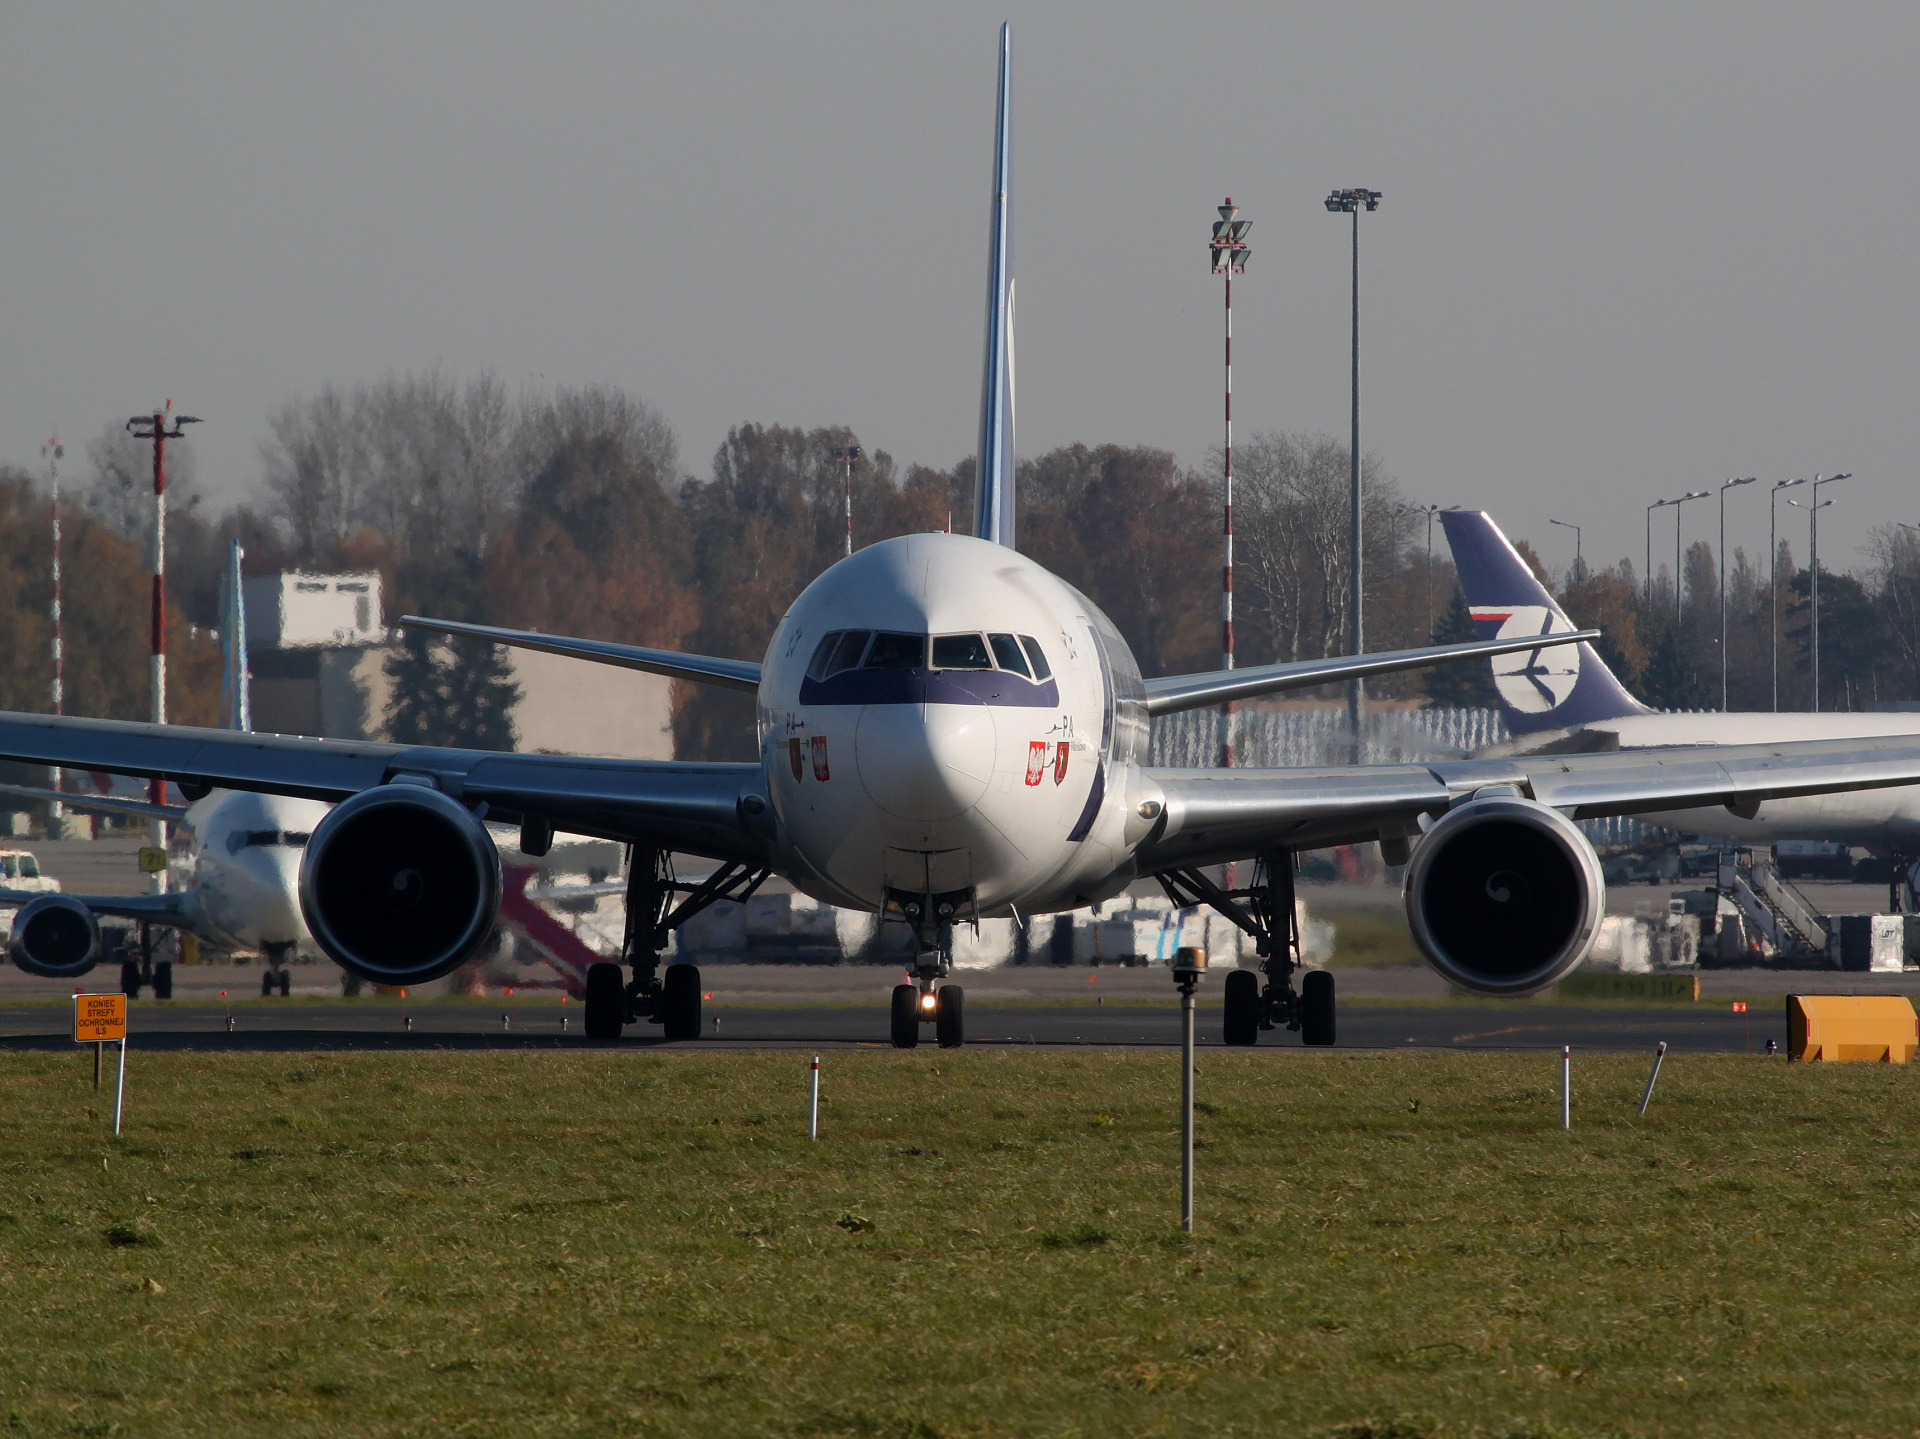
1242, 1022
286, 985
1316, 1008
266, 985
906, 1017
606, 1001
950, 1016
680, 1002
163, 979
130, 978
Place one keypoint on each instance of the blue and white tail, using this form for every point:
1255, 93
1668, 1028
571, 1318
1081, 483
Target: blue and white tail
993, 481
1557, 688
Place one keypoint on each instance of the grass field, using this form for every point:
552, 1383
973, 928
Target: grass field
981, 1243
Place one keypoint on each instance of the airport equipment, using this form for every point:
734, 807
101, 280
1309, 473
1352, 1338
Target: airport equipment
1646, 1095
1773, 582
813, 1102
1229, 253
102, 1019
54, 452
1352, 202
1566, 1086
1188, 970
1839, 1028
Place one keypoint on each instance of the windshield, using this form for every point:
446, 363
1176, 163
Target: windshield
961, 652
897, 652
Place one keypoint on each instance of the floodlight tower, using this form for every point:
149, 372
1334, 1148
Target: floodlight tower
848, 454
1813, 508
1352, 202
54, 451
1228, 251
156, 429
1725, 485
1690, 495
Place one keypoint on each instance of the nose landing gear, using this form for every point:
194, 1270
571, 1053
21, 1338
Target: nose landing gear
1265, 910
926, 1000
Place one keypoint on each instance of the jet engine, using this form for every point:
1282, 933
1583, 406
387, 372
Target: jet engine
400, 884
1504, 896
56, 937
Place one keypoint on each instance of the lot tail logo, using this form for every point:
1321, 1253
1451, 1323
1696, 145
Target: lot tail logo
1532, 681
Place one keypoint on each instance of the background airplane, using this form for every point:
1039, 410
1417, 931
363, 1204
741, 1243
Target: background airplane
1566, 700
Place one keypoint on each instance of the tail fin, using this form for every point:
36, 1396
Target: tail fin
1539, 689
993, 481
236, 711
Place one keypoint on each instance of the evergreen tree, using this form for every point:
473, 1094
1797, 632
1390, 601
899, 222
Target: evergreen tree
478, 683
419, 701
1467, 684
1676, 677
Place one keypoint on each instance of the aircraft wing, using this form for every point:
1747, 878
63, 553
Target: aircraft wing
1186, 692
701, 669
168, 909
1212, 815
717, 810
98, 803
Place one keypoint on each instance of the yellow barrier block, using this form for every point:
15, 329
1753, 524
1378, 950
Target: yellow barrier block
1836, 1028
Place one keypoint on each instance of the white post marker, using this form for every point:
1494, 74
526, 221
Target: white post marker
1188, 967
1566, 1086
98, 1018
1652, 1074
813, 1103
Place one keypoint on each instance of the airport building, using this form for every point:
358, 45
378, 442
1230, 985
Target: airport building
317, 649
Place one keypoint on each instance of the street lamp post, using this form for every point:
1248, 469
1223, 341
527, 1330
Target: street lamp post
1813, 508
1724, 487
1692, 495
1576, 543
1352, 202
1429, 511
1228, 253
1773, 581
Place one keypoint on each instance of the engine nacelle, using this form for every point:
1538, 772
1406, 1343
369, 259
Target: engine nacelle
1504, 896
400, 884
55, 937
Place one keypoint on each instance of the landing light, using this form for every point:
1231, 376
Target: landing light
926, 1001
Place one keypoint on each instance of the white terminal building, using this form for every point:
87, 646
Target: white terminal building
317, 649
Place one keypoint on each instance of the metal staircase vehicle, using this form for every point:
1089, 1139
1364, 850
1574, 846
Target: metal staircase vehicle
1784, 916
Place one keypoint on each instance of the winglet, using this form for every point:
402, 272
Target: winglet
993, 479
1508, 602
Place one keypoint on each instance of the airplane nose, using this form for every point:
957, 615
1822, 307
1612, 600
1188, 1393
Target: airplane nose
925, 762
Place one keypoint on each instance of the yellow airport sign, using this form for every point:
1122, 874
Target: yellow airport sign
98, 1017
153, 859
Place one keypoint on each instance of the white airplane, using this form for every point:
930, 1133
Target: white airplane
242, 849
1569, 701
947, 731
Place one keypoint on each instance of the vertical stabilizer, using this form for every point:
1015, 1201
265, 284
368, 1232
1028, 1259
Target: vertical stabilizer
993, 483
236, 710
1560, 688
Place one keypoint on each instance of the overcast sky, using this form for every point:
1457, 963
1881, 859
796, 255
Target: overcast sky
1624, 251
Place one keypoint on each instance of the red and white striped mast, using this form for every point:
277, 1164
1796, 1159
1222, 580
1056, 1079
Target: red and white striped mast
54, 450
1229, 252
156, 430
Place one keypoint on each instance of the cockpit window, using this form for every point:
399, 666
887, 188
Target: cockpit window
837, 651
1006, 651
1041, 669
897, 652
961, 652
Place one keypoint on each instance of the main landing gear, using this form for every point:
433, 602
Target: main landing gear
146, 970
670, 999
1265, 910
926, 1000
